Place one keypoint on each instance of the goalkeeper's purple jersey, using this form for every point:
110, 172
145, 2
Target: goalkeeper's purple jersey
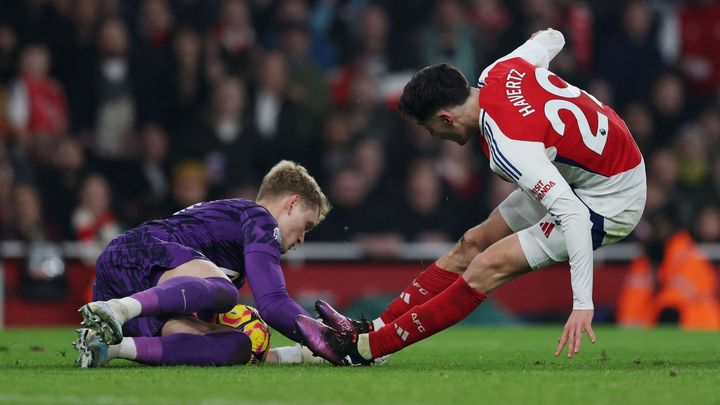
224, 231
237, 235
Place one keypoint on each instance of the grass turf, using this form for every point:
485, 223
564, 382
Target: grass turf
463, 365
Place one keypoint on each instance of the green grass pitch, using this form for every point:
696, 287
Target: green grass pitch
473, 365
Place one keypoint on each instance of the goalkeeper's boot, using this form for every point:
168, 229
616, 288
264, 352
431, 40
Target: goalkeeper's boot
340, 322
92, 351
345, 324
101, 318
334, 346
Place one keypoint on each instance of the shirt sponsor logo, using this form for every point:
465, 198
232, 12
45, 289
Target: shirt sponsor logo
541, 189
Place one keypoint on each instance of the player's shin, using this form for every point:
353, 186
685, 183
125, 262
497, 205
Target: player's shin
214, 349
186, 295
124, 350
442, 311
426, 285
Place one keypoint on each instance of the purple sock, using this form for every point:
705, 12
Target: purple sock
186, 295
214, 349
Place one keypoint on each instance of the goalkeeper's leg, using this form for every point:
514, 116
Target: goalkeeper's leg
195, 286
215, 349
185, 341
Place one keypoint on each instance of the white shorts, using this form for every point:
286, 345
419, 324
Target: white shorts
541, 237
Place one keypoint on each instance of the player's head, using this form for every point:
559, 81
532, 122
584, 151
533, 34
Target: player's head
294, 198
435, 97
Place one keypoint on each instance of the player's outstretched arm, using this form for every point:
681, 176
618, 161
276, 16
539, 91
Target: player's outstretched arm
267, 283
580, 321
539, 50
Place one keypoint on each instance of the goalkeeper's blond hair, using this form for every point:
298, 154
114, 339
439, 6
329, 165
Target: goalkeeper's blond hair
288, 177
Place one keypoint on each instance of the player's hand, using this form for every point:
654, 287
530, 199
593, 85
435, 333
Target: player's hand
580, 320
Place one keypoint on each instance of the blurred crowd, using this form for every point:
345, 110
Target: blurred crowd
113, 112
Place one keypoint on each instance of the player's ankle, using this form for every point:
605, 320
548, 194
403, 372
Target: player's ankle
123, 350
363, 346
125, 308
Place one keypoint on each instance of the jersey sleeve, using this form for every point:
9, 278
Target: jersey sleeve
264, 274
527, 164
260, 233
538, 50
267, 283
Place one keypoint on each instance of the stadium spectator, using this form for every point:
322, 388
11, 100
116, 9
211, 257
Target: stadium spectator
706, 228
367, 113
113, 102
671, 281
629, 59
699, 42
6, 184
424, 215
152, 62
693, 161
189, 186
223, 139
145, 180
273, 115
358, 218
449, 39
93, 219
639, 120
373, 53
233, 39
348, 193
37, 107
491, 17
25, 221
370, 159
307, 86
336, 143
669, 107
465, 182
72, 39
190, 79
43, 268
8, 53
59, 182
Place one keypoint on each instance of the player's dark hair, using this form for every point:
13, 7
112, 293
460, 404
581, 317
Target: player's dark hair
431, 89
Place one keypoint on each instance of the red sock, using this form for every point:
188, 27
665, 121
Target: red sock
428, 284
444, 310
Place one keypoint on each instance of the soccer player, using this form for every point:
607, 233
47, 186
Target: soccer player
581, 185
151, 279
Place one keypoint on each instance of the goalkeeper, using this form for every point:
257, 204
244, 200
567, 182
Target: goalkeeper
152, 279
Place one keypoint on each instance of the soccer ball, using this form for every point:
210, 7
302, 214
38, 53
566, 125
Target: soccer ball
247, 319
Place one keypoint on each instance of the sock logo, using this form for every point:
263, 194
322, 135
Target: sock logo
547, 227
405, 297
416, 321
182, 290
401, 332
419, 287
